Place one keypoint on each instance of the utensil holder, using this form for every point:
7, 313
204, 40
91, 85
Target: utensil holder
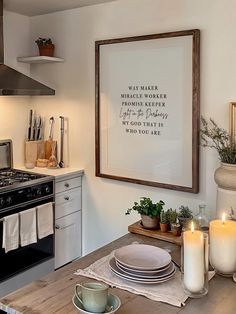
194, 263
33, 150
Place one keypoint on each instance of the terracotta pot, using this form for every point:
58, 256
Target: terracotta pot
47, 50
150, 223
164, 227
225, 176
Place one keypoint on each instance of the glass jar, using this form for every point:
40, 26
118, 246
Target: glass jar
202, 219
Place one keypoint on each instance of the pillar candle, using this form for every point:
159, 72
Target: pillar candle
194, 268
223, 246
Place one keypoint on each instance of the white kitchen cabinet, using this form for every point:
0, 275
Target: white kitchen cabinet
68, 229
67, 239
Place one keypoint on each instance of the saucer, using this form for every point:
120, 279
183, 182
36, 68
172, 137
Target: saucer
113, 300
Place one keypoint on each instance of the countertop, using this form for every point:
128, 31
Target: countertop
57, 173
53, 293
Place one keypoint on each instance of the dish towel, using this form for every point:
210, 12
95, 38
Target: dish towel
10, 237
28, 233
171, 291
45, 220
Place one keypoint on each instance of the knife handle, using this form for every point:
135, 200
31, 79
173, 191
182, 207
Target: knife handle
29, 134
33, 137
38, 134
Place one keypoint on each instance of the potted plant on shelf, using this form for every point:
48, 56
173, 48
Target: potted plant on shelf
149, 211
174, 222
46, 47
164, 223
184, 216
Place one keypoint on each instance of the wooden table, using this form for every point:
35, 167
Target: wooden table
53, 293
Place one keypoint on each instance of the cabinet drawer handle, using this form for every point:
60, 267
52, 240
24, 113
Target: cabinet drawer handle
66, 198
67, 185
64, 227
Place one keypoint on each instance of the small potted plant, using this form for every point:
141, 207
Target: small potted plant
149, 211
174, 222
185, 216
46, 47
164, 223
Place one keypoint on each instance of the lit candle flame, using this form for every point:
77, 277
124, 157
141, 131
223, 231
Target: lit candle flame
192, 227
223, 218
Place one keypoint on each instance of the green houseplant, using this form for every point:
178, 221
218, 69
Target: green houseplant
184, 215
172, 215
175, 226
149, 211
46, 47
164, 222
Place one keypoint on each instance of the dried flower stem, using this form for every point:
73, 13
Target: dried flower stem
215, 137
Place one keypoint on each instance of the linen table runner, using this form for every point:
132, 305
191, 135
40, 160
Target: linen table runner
169, 292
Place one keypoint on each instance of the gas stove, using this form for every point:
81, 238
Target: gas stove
19, 191
19, 187
13, 178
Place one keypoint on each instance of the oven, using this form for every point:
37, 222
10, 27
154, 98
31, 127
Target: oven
19, 191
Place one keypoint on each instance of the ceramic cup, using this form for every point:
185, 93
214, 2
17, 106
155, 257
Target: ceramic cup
94, 296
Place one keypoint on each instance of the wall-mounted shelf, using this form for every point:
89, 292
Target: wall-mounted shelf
39, 59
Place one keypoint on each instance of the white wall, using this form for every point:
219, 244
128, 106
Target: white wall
14, 110
74, 33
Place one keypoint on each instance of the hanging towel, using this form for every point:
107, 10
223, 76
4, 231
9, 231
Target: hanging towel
10, 237
45, 220
28, 233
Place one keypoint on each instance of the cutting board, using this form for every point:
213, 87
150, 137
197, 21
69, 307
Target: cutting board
48, 148
157, 234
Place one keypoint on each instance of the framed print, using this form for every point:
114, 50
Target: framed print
147, 109
232, 130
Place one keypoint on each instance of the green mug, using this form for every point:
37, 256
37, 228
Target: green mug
94, 296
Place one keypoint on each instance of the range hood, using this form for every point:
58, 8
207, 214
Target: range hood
13, 82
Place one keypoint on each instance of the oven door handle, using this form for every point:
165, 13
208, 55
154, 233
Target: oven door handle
63, 227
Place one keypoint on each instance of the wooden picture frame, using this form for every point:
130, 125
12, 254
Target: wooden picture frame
147, 91
232, 131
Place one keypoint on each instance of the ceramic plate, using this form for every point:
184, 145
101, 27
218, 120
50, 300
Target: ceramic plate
142, 257
113, 300
123, 275
167, 271
142, 272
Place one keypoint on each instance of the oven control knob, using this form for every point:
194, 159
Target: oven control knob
9, 200
47, 189
1, 202
38, 192
29, 196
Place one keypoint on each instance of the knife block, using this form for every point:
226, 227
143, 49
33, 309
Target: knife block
33, 150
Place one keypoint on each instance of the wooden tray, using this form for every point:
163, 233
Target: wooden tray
157, 234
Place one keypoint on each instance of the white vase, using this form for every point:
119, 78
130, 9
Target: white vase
225, 178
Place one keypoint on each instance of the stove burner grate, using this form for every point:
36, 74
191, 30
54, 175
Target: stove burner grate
9, 177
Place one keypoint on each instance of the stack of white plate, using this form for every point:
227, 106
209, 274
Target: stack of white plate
141, 263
